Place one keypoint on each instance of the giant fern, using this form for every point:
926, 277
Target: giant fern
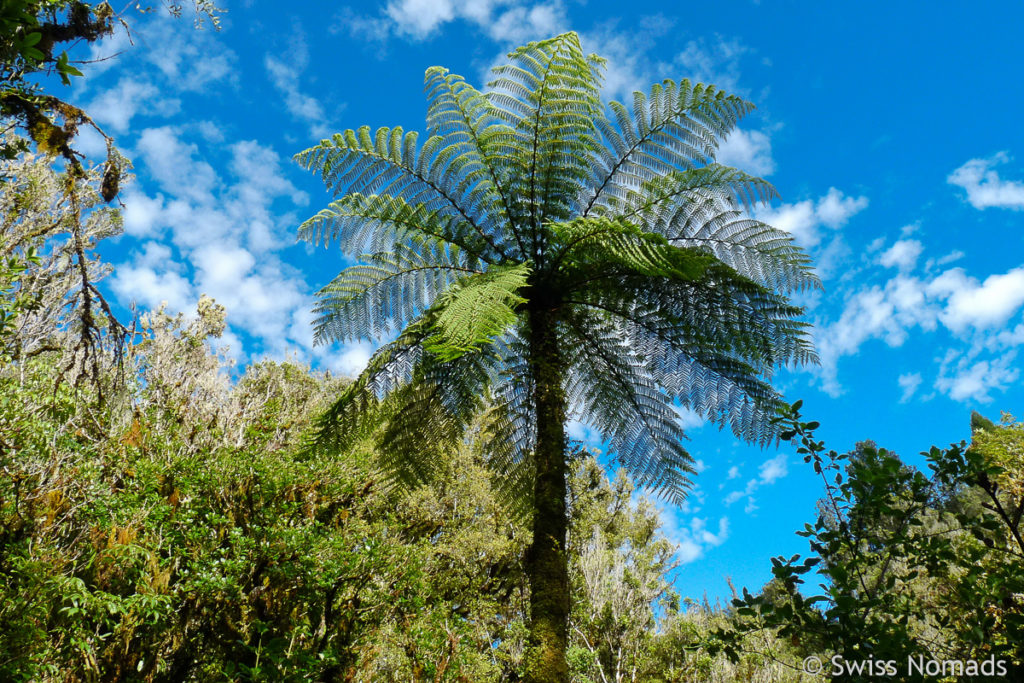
543, 257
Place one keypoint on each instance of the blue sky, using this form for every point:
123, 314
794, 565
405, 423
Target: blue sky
893, 136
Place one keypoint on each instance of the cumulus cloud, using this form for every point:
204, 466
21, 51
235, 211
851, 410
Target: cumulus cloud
186, 60
115, 107
968, 379
694, 540
713, 60
173, 164
773, 469
748, 150
522, 23
505, 21
978, 305
903, 255
141, 213
985, 189
352, 359
153, 278
972, 310
688, 419
222, 232
805, 220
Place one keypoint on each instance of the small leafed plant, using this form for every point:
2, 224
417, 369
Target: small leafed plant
542, 256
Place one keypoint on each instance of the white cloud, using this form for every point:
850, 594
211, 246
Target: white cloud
873, 312
769, 472
805, 220
141, 213
420, 18
773, 469
306, 108
153, 278
353, 359
698, 527
688, 419
628, 68
114, 108
694, 540
186, 60
173, 165
749, 151
834, 209
226, 228
522, 23
903, 255
713, 61
971, 304
734, 472
985, 189
971, 310
909, 384
968, 379
505, 21
190, 60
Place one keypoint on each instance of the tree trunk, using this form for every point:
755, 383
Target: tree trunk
547, 564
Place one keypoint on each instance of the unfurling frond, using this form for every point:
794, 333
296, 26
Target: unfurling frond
477, 309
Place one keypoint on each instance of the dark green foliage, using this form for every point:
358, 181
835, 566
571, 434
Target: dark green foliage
914, 566
187, 544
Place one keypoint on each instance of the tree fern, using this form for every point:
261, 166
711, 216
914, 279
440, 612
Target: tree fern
543, 257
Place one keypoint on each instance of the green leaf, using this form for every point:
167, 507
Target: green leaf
477, 309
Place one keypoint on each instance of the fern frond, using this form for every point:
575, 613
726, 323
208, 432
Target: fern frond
458, 112
665, 193
548, 95
676, 129
509, 432
754, 249
477, 309
361, 408
611, 388
428, 415
598, 247
439, 175
360, 223
388, 289
709, 343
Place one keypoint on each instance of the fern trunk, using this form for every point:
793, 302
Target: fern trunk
547, 566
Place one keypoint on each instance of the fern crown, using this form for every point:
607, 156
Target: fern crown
534, 193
